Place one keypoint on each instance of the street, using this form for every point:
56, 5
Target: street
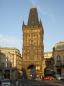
39, 83
25, 82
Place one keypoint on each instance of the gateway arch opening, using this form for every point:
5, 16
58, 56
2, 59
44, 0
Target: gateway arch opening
32, 71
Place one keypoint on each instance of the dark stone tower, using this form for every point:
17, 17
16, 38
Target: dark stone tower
33, 47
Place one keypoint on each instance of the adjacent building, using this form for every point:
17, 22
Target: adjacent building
10, 60
58, 54
47, 58
47, 55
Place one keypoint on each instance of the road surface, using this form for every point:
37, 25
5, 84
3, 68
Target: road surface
39, 83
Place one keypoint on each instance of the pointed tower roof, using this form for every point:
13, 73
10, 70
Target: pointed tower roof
33, 17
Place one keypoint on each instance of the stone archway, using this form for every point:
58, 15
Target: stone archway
31, 66
32, 71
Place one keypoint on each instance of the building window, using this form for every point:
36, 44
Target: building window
58, 58
63, 60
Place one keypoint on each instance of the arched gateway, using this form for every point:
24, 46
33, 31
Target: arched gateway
32, 71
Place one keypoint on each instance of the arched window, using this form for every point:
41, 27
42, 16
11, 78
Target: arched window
63, 59
58, 58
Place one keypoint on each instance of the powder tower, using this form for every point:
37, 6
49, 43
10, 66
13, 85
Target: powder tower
33, 47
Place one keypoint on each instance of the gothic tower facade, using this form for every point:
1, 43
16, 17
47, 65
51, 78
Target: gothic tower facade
33, 47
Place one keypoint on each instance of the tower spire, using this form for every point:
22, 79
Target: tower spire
23, 24
33, 17
40, 22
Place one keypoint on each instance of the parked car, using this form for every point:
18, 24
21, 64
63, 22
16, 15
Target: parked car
62, 77
48, 78
58, 77
5, 82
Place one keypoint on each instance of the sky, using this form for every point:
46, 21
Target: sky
14, 12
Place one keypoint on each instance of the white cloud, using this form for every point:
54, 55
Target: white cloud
9, 41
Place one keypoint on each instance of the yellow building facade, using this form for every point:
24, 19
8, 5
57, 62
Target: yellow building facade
33, 47
10, 59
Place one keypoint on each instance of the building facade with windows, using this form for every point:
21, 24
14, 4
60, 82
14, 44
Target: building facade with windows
58, 54
33, 47
10, 60
49, 64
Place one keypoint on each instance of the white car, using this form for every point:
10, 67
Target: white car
58, 77
5, 82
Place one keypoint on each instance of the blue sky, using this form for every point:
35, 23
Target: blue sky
14, 12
